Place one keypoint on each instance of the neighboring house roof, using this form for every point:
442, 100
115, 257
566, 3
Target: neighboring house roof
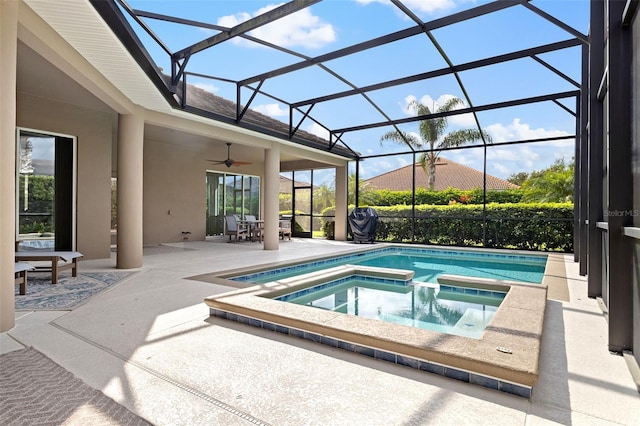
449, 174
286, 185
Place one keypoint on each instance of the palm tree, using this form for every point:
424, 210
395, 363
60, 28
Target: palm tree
323, 197
366, 195
430, 309
432, 133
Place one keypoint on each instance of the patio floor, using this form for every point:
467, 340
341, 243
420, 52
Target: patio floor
149, 343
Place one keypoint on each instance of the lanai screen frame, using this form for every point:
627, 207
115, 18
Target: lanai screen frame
174, 87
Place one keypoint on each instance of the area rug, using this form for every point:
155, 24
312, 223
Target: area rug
34, 390
68, 293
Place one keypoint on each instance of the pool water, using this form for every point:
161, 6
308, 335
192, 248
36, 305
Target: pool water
427, 268
445, 309
427, 264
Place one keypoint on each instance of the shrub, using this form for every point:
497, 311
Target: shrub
535, 226
386, 197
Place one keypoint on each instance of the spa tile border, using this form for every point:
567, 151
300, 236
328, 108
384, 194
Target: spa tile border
340, 281
389, 281
403, 360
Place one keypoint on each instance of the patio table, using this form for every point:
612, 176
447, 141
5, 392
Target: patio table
20, 269
71, 257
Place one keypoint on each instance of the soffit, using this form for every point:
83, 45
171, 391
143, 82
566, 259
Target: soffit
80, 25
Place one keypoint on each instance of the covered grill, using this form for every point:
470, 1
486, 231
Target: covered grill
363, 222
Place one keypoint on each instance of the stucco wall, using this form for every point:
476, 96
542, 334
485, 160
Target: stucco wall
93, 130
171, 184
174, 180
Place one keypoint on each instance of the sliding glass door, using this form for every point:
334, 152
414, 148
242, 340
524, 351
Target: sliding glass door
230, 194
45, 191
302, 199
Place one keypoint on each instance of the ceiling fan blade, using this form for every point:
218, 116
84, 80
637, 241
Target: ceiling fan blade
229, 162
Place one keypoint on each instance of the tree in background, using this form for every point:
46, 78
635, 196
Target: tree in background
432, 133
518, 178
323, 196
551, 185
366, 196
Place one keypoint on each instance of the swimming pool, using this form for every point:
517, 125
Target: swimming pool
427, 263
441, 308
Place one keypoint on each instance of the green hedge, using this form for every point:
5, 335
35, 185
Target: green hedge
535, 226
445, 197
38, 217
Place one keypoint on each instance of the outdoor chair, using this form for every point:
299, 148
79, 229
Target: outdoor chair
285, 229
255, 227
235, 229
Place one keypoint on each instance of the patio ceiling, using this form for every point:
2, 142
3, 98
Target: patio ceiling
179, 50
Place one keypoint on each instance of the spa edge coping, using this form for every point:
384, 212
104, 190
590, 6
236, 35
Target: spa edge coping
517, 325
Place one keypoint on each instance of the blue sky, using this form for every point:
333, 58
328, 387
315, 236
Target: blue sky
334, 24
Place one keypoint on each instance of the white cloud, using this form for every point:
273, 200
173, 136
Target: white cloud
375, 167
522, 131
502, 154
501, 169
426, 6
522, 155
503, 161
471, 158
318, 130
207, 86
272, 110
506, 161
300, 29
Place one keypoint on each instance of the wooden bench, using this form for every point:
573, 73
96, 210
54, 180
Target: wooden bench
20, 270
71, 257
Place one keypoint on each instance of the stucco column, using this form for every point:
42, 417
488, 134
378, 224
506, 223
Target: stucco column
342, 183
8, 54
271, 200
130, 162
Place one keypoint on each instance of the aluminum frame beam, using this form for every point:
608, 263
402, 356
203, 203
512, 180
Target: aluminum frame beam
520, 54
244, 27
389, 38
487, 107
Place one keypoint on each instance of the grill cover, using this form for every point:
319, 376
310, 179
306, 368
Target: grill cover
363, 222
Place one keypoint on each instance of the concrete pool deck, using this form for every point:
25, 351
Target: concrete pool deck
150, 344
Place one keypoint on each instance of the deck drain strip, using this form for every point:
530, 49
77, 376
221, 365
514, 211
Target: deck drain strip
195, 392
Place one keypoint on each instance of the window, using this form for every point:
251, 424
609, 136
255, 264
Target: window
45, 191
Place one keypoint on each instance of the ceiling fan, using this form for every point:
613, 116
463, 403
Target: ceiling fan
229, 162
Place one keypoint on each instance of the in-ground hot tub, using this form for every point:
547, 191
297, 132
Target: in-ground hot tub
505, 357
